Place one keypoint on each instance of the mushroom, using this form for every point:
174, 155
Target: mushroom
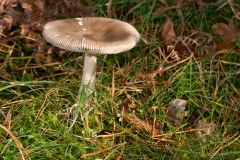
93, 36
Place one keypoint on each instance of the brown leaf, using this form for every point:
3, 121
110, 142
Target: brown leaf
8, 21
148, 127
176, 110
230, 31
5, 5
168, 31
8, 14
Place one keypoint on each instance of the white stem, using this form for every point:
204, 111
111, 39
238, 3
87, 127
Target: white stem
88, 77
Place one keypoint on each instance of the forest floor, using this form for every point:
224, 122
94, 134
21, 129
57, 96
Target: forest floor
176, 95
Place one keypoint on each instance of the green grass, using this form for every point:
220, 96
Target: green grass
39, 99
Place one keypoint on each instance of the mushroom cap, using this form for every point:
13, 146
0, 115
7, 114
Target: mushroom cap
93, 35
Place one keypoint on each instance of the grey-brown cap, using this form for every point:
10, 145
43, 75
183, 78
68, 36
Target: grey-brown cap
91, 35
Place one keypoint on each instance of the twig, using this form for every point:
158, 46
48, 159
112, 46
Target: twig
219, 147
18, 144
231, 6
101, 151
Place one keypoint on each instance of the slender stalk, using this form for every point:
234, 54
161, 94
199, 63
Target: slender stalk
86, 89
88, 78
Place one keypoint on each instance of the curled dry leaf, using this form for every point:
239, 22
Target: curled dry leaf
230, 31
5, 5
168, 31
176, 110
7, 14
8, 21
5, 23
131, 116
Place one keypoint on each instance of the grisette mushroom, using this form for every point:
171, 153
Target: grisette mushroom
93, 36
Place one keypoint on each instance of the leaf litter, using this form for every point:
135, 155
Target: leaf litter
25, 19
229, 32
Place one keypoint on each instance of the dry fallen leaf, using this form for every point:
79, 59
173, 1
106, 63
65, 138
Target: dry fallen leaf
168, 31
176, 110
194, 43
230, 31
149, 126
7, 14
